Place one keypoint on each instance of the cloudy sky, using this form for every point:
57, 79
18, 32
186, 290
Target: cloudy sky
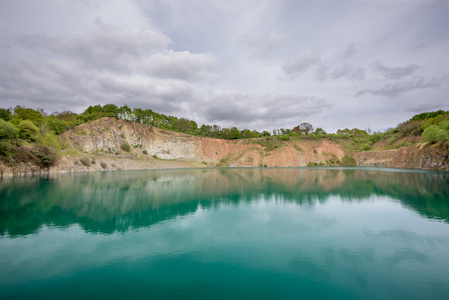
256, 64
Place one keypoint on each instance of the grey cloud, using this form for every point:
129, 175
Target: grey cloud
349, 51
392, 90
107, 47
120, 49
264, 43
181, 65
109, 64
322, 72
395, 72
238, 108
348, 71
425, 106
298, 64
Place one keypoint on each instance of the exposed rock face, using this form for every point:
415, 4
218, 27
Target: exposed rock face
108, 134
411, 157
152, 148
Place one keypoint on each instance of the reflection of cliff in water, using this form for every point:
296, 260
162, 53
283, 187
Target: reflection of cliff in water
118, 201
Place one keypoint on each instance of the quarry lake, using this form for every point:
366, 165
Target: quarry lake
298, 233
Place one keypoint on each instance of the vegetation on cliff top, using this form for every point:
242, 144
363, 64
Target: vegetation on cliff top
31, 135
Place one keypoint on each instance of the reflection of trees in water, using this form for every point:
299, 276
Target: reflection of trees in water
117, 201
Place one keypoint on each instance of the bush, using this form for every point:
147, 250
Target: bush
51, 140
7, 130
125, 147
444, 125
348, 161
28, 131
85, 161
430, 134
103, 165
45, 159
442, 135
145, 152
6, 148
366, 147
284, 137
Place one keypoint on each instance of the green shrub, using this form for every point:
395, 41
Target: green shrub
442, 135
28, 131
348, 161
284, 137
7, 130
93, 161
103, 165
430, 134
366, 147
45, 159
125, 147
145, 152
51, 140
85, 161
444, 125
6, 148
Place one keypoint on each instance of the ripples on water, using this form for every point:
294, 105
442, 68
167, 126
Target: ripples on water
226, 234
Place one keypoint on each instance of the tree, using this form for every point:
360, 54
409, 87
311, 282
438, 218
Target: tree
23, 113
297, 130
194, 127
110, 110
5, 114
28, 131
234, 133
205, 130
7, 130
320, 131
183, 125
266, 133
431, 133
306, 127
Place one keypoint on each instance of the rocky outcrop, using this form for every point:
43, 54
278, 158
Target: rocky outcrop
423, 157
102, 146
107, 135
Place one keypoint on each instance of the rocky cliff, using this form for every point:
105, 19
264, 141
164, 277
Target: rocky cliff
419, 156
108, 136
114, 144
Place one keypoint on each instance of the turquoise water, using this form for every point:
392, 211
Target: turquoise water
226, 234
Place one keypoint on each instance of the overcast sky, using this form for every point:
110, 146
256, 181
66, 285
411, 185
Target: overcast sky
256, 64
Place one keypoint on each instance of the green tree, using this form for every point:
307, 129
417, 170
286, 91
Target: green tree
306, 128
234, 133
442, 135
110, 110
430, 134
266, 133
7, 130
23, 113
28, 131
183, 125
5, 114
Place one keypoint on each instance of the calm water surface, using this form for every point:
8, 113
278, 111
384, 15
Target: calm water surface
226, 234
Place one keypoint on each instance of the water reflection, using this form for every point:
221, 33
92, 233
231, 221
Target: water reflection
118, 201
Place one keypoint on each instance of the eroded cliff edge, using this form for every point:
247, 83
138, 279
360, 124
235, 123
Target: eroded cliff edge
419, 156
101, 145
